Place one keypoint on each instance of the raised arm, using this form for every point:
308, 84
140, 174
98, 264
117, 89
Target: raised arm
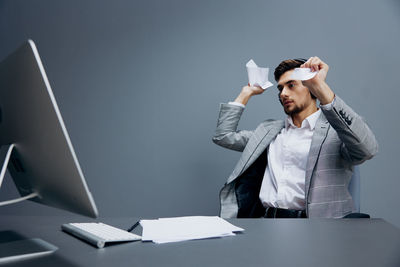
359, 141
226, 134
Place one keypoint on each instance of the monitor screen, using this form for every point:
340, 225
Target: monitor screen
34, 141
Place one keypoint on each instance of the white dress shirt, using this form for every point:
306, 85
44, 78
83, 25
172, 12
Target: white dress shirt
283, 184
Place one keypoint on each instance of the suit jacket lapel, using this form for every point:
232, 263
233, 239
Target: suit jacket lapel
320, 133
255, 147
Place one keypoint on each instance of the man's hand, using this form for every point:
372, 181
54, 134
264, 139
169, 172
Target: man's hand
317, 84
247, 92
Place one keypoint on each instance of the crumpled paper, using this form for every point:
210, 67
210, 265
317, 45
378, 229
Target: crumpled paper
257, 76
303, 74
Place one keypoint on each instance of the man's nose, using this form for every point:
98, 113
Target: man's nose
284, 92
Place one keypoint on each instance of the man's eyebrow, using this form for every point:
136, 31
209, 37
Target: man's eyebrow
279, 86
289, 81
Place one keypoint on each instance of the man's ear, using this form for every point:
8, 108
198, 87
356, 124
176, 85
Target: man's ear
312, 96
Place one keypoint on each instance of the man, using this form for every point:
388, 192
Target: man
300, 167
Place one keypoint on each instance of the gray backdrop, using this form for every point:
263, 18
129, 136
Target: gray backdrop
139, 85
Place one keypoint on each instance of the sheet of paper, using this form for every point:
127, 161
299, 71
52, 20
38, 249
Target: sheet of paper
303, 74
176, 229
162, 241
257, 76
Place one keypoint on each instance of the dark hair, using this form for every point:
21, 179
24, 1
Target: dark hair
289, 64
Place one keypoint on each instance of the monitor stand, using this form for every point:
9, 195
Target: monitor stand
12, 250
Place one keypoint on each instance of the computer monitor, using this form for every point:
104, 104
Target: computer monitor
35, 146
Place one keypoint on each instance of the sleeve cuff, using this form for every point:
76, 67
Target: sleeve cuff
329, 105
238, 104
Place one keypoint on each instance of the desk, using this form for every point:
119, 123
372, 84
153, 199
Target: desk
265, 242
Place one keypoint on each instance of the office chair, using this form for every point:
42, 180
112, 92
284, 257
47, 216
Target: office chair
354, 189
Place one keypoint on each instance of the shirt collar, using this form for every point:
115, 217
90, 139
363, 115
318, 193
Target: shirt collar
310, 121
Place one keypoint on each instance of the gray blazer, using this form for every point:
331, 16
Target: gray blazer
341, 140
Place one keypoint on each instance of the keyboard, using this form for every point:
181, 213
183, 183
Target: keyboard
98, 234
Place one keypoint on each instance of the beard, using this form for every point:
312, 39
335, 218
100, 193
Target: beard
294, 110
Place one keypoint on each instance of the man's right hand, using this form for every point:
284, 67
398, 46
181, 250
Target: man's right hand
247, 92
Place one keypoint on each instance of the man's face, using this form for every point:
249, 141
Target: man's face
293, 95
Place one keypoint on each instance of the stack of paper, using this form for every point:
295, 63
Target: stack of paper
257, 76
176, 229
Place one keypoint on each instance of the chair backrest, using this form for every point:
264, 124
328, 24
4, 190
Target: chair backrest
354, 188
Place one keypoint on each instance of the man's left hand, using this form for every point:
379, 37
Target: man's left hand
317, 84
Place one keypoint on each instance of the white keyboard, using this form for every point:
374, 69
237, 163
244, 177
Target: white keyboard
98, 234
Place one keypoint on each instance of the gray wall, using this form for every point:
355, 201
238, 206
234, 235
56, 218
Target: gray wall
139, 85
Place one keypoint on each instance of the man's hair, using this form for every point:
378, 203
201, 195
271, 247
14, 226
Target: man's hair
289, 64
